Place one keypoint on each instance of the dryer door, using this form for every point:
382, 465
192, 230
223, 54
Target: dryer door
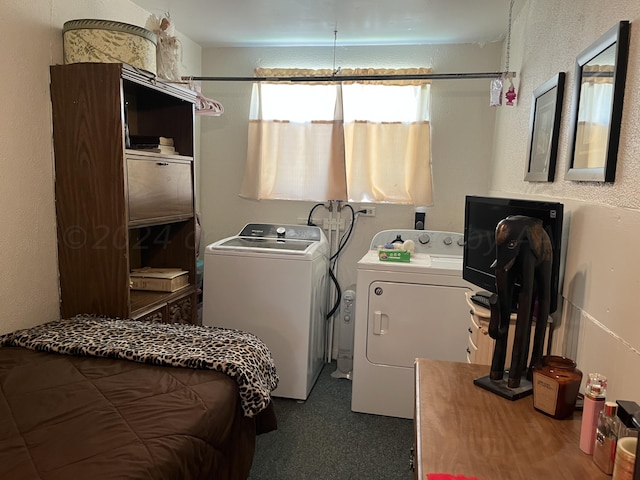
407, 320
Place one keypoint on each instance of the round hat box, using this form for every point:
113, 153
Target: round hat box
106, 41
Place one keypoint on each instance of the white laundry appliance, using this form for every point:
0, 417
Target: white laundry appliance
271, 280
405, 311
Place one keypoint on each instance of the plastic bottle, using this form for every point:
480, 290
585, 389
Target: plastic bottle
594, 396
607, 431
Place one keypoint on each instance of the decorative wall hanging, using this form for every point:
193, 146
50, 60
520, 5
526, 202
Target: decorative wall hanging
546, 109
598, 97
503, 84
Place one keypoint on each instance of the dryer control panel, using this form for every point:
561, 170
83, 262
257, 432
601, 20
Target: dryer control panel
433, 242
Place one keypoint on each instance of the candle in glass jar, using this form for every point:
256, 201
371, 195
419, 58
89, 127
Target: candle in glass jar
556, 382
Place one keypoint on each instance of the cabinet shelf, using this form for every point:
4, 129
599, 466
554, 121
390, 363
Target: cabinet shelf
144, 153
145, 303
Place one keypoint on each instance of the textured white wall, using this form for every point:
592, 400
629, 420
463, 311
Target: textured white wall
599, 326
462, 134
30, 41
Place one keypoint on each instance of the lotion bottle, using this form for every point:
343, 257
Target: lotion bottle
594, 396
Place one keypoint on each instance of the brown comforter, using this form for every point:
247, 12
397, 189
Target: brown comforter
73, 417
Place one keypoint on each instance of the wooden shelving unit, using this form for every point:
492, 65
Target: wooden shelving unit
119, 209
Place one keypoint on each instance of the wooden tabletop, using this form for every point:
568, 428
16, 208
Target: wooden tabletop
463, 429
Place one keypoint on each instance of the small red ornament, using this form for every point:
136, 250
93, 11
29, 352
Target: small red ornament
511, 95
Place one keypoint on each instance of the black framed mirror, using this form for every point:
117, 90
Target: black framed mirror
546, 108
598, 96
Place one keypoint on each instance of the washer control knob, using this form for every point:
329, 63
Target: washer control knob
281, 231
460, 241
424, 238
447, 240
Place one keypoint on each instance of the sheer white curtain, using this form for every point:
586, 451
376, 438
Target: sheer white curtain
300, 148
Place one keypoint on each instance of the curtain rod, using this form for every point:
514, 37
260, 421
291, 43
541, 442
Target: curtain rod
347, 78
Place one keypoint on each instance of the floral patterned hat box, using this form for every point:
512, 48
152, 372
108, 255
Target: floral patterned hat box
106, 41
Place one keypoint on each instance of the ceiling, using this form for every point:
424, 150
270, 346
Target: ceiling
345, 22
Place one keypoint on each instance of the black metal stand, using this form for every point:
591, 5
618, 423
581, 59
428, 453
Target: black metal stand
499, 387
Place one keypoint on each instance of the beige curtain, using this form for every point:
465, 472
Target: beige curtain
388, 156
388, 162
367, 159
299, 159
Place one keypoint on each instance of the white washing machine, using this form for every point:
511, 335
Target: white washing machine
405, 311
271, 280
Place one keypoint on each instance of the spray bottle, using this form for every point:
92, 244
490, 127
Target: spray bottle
594, 397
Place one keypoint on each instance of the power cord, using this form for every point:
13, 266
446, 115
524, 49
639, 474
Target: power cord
344, 240
309, 222
341, 245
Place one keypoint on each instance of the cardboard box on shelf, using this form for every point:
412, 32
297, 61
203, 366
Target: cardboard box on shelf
159, 279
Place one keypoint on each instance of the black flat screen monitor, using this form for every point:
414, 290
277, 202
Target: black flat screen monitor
481, 217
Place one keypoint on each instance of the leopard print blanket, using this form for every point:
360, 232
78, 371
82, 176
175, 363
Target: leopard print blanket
240, 355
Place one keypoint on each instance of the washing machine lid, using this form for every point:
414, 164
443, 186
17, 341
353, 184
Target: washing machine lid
271, 239
266, 244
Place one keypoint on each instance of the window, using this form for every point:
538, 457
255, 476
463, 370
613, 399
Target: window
357, 141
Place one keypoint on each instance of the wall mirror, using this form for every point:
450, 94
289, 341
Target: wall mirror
598, 97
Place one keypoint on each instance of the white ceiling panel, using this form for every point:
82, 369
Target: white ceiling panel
348, 22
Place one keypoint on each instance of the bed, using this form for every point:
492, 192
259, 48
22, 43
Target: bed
99, 398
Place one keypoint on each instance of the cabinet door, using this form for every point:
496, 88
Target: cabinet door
159, 189
485, 345
472, 351
406, 321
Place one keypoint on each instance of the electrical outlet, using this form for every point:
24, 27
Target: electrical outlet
368, 211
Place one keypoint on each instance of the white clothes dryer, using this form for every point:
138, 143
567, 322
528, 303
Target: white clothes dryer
405, 311
271, 280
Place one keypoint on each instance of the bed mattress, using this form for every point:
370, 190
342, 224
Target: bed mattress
68, 416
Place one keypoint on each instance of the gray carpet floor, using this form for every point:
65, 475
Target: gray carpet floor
322, 439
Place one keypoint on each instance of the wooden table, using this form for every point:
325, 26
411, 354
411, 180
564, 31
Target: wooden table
463, 429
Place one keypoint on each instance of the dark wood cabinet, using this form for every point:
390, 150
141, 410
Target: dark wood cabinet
118, 209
